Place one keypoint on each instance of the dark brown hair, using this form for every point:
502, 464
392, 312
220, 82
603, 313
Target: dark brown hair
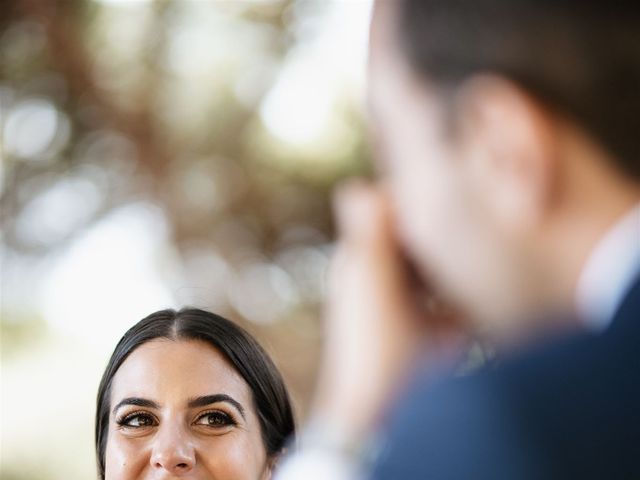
582, 58
270, 395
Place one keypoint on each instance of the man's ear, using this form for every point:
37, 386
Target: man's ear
510, 149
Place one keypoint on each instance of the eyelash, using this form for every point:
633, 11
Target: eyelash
224, 417
125, 419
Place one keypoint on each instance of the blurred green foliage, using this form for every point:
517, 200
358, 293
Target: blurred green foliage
186, 107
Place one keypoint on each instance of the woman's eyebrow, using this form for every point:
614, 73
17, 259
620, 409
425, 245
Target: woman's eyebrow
218, 397
137, 401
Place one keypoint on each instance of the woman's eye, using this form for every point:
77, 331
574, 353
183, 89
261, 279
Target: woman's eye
215, 419
138, 421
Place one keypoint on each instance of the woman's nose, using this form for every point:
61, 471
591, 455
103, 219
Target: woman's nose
173, 452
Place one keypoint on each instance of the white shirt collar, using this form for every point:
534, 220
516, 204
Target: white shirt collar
609, 272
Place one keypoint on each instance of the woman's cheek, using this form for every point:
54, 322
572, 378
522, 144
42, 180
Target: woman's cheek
234, 458
125, 460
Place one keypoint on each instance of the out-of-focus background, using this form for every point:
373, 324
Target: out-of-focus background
159, 154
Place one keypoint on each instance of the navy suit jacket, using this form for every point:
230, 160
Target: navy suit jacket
567, 410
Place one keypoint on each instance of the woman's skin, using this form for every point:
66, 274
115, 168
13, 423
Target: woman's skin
180, 410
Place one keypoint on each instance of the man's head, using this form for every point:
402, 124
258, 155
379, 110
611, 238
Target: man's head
507, 134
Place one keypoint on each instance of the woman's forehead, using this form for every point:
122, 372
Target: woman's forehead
177, 370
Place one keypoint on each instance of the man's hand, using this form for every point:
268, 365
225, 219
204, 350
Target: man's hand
375, 324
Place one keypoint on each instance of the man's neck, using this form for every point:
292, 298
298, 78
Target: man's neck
609, 272
586, 237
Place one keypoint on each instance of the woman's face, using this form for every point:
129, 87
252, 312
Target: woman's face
179, 409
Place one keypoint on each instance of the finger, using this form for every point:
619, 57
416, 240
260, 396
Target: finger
363, 215
368, 263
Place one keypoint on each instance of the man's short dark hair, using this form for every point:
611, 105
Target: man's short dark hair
581, 58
